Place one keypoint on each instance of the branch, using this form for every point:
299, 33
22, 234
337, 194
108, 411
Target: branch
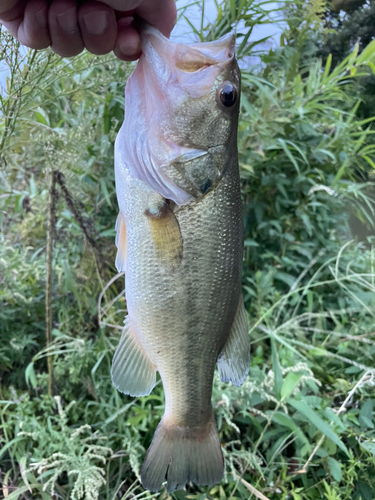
49, 249
99, 259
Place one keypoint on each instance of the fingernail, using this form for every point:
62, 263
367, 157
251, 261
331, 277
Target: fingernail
125, 21
130, 45
96, 22
68, 20
41, 17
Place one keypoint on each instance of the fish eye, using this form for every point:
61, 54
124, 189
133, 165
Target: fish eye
228, 95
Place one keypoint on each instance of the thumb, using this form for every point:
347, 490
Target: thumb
162, 15
11, 14
11, 9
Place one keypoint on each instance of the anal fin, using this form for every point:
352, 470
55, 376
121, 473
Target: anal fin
132, 372
120, 243
234, 360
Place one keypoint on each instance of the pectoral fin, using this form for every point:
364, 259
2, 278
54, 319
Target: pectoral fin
120, 243
233, 361
132, 372
165, 232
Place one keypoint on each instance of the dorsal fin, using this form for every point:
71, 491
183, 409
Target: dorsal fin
234, 360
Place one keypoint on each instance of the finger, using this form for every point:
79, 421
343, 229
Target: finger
162, 15
10, 9
98, 27
63, 24
122, 5
11, 14
33, 30
128, 46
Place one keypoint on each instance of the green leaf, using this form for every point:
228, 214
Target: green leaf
41, 117
108, 233
365, 415
9, 444
368, 446
363, 491
367, 54
276, 369
119, 412
45, 496
327, 68
101, 357
17, 493
107, 197
30, 376
32, 187
233, 9
285, 420
288, 153
314, 418
289, 384
250, 243
23, 468
334, 469
286, 278
372, 66
307, 223
369, 161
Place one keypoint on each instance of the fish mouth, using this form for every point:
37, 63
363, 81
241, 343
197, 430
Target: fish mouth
190, 57
194, 66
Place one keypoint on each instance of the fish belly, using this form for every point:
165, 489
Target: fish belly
183, 314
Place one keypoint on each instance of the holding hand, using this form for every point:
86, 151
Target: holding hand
69, 26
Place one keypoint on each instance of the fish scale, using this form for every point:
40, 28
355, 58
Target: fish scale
182, 254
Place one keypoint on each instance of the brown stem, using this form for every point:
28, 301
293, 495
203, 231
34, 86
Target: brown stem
99, 260
60, 179
49, 249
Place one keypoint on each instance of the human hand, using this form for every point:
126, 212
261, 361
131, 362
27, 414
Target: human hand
69, 26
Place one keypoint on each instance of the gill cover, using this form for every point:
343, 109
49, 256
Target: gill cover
167, 77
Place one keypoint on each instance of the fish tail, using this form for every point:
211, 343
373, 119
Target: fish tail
182, 454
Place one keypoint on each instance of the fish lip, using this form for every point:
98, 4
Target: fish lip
146, 28
217, 51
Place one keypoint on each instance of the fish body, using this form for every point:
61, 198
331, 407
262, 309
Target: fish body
180, 243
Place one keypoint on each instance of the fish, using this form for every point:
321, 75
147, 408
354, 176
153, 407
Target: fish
179, 237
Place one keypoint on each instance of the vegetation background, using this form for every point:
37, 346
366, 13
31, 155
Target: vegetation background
302, 425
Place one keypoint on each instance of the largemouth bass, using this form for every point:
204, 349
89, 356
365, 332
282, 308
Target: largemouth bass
180, 243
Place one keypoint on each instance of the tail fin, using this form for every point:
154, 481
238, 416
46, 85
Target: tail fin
182, 454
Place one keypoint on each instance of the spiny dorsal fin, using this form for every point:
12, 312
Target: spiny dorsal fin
165, 232
120, 243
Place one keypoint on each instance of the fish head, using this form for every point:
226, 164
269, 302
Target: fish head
182, 106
